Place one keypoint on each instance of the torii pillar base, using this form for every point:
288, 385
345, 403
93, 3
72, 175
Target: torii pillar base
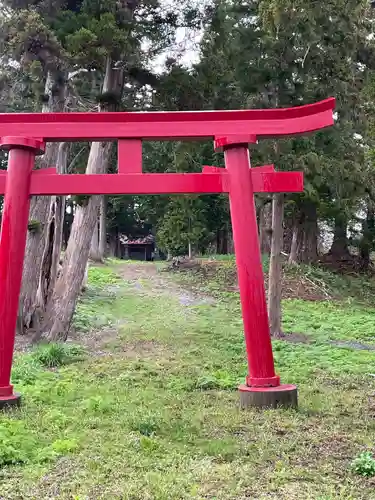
11, 401
282, 396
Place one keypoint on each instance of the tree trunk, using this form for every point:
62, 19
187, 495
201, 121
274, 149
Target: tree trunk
288, 235
113, 245
295, 245
54, 237
94, 253
304, 245
190, 251
60, 309
85, 278
367, 241
265, 228
339, 249
39, 211
103, 228
275, 270
222, 241
307, 241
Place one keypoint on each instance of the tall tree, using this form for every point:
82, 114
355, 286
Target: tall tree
28, 39
112, 36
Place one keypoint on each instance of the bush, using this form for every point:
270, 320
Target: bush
55, 354
364, 465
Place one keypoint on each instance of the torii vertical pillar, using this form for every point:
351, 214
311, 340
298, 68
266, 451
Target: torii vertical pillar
22, 152
262, 387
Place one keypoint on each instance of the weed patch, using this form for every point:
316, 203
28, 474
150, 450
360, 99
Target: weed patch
55, 354
364, 464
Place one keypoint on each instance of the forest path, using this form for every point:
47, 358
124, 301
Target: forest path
148, 278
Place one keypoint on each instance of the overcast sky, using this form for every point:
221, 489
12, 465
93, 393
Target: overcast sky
187, 40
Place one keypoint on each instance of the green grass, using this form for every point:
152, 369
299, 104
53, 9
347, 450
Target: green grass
324, 321
156, 416
222, 276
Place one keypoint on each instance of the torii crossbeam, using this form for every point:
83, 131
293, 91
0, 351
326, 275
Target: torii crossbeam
24, 136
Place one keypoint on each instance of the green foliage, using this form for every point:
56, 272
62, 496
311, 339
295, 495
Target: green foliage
64, 446
94, 310
147, 425
19, 446
364, 464
182, 224
25, 370
168, 389
81, 199
102, 277
56, 354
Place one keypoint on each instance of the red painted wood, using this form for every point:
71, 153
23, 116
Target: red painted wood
249, 268
8, 142
222, 143
169, 125
265, 180
23, 135
277, 182
207, 169
129, 156
129, 184
50, 184
44, 171
12, 249
3, 178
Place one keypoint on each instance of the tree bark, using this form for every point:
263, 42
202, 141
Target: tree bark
103, 228
54, 237
309, 251
85, 278
60, 309
265, 228
367, 241
294, 247
190, 251
94, 253
340, 249
275, 269
288, 234
55, 89
222, 241
304, 248
113, 245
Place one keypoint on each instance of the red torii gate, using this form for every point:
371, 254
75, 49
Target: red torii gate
24, 135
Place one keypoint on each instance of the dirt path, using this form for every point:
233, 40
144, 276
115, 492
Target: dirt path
146, 280
149, 280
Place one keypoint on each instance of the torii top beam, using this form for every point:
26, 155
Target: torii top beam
188, 125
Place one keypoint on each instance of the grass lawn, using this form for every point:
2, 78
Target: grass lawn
147, 408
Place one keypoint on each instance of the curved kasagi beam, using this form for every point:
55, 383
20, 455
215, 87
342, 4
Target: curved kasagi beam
169, 124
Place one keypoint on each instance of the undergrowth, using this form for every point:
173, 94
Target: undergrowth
364, 464
56, 354
155, 415
218, 275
